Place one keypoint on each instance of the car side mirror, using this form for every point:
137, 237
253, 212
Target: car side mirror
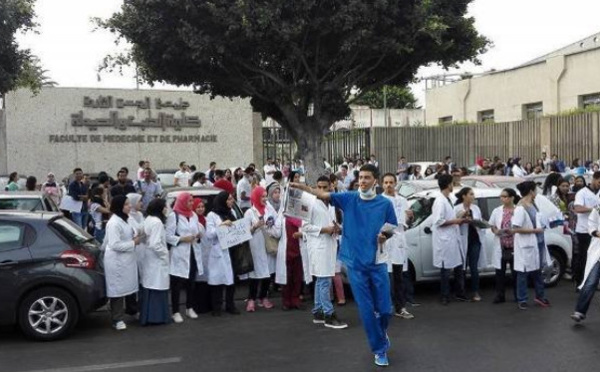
427, 230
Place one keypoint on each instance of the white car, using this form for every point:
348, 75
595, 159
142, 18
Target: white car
420, 250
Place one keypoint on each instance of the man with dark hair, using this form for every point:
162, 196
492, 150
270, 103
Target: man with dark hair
182, 176
365, 214
149, 189
321, 232
244, 189
347, 177
278, 177
78, 191
586, 200
219, 174
447, 255
210, 173
456, 177
270, 168
123, 187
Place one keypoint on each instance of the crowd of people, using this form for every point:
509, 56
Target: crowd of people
154, 251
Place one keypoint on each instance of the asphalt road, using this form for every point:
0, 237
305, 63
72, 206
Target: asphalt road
462, 336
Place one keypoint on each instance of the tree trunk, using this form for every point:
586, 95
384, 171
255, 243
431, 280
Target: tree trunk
309, 146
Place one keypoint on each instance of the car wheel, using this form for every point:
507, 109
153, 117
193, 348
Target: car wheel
557, 268
48, 314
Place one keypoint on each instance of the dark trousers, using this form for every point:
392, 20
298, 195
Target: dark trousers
473, 253
177, 284
253, 288
507, 260
580, 257
290, 295
203, 302
216, 297
459, 282
398, 287
120, 306
589, 289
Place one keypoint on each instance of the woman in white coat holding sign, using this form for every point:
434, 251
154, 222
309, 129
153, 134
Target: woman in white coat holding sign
529, 246
183, 234
120, 263
220, 271
260, 278
471, 237
154, 307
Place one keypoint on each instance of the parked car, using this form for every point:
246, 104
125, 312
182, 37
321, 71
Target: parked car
420, 250
26, 201
51, 273
206, 194
483, 182
166, 177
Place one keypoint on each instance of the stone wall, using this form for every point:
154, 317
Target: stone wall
106, 129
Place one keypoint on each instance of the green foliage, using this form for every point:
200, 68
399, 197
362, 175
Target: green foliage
396, 97
18, 67
577, 111
299, 61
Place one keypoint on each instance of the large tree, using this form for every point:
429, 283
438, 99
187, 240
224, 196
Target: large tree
300, 62
391, 97
18, 67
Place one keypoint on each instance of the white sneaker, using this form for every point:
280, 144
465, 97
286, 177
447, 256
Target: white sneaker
191, 314
404, 314
177, 318
120, 325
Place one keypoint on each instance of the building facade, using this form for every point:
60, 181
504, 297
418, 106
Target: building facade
560, 81
105, 129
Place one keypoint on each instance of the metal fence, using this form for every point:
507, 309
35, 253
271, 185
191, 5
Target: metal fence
574, 136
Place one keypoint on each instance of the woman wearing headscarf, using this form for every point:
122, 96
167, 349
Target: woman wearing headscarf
136, 221
120, 262
154, 308
183, 234
220, 271
100, 212
52, 189
202, 290
260, 278
517, 169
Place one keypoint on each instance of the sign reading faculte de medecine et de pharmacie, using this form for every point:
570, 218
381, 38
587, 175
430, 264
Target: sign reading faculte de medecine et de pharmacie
162, 121
105, 129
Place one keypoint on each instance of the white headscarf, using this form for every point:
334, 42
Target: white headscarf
134, 199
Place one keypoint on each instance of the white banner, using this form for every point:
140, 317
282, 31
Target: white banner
239, 232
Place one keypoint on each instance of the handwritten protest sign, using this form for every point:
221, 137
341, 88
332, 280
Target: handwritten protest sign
239, 232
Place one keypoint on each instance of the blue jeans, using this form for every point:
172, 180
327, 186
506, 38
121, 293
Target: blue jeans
323, 296
588, 290
79, 219
371, 290
99, 234
538, 283
473, 253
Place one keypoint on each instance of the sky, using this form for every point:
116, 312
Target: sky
521, 30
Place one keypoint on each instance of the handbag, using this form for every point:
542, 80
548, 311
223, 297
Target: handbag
271, 244
241, 259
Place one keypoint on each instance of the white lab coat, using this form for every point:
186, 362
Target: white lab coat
220, 271
527, 254
205, 248
180, 252
518, 171
136, 221
593, 254
322, 248
279, 231
396, 245
464, 236
120, 261
264, 264
155, 263
446, 241
496, 220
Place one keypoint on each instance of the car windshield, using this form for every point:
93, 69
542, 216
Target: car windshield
421, 209
405, 190
21, 204
71, 232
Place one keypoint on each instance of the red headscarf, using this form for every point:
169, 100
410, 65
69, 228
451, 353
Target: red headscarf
181, 205
201, 218
225, 185
255, 199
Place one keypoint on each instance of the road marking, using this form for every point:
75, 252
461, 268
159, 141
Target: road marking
104, 367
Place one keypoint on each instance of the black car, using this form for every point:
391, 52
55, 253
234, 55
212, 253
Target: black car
51, 273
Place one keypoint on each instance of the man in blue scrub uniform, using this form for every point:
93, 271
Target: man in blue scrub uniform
365, 213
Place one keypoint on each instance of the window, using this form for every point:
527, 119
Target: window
487, 206
11, 235
533, 111
22, 204
589, 100
72, 233
446, 120
485, 116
